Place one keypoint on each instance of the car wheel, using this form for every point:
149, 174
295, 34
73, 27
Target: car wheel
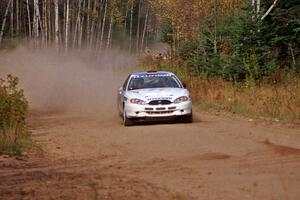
187, 118
126, 120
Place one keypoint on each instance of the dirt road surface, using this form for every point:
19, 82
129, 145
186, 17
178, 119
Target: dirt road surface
97, 158
84, 152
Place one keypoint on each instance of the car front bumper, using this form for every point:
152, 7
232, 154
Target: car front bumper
158, 111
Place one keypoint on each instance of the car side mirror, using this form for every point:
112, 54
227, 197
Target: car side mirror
184, 85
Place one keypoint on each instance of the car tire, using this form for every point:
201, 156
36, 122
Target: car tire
127, 121
187, 118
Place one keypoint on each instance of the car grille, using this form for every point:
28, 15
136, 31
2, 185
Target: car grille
148, 108
160, 102
160, 108
159, 112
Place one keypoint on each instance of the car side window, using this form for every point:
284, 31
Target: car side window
125, 83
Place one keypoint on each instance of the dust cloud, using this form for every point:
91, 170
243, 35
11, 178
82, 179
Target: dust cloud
81, 82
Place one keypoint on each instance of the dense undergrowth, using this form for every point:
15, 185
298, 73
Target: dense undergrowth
13, 108
269, 100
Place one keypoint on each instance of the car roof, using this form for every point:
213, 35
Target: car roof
161, 73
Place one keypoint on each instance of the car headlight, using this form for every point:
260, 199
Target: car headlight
181, 99
137, 101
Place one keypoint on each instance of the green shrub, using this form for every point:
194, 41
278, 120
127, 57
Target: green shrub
13, 109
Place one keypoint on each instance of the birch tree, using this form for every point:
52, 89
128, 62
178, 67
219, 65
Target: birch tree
45, 23
269, 10
67, 28
88, 28
138, 27
109, 35
28, 18
56, 23
37, 19
93, 24
81, 21
77, 24
131, 25
12, 19
74, 23
103, 24
145, 27
4, 20
17, 17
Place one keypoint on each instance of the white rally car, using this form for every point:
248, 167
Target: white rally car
154, 95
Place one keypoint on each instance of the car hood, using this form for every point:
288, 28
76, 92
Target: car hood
151, 94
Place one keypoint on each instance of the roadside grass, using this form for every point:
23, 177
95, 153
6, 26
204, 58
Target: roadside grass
14, 134
213, 107
267, 101
15, 148
279, 101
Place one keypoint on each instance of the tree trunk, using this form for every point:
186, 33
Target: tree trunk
109, 36
269, 10
145, 27
49, 21
147, 33
292, 55
37, 19
130, 28
125, 21
45, 23
67, 24
23, 20
215, 26
80, 32
12, 18
29, 19
258, 7
56, 23
103, 24
93, 23
77, 23
17, 18
99, 25
34, 21
138, 27
88, 29
4, 20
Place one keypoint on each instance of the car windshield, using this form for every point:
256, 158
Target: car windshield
153, 81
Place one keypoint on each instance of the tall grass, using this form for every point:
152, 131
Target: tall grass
13, 109
269, 100
280, 100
